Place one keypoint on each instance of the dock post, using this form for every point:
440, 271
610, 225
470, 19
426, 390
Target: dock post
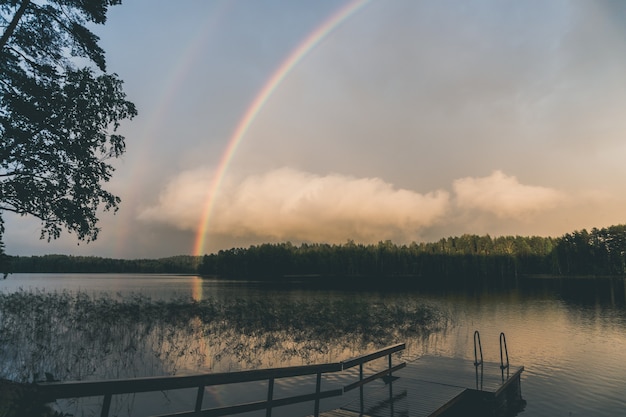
361, 388
270, 397
318, 386
106, 405
199, 397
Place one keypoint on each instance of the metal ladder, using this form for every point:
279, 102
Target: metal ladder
480, 348
504, 351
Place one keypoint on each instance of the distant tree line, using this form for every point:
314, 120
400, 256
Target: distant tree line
92, 264
467, 258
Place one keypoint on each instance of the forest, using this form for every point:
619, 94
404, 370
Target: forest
599, 252
92, 264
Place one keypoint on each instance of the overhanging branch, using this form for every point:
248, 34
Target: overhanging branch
11, 28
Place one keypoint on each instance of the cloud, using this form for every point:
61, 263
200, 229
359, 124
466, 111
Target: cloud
504, 196
181, 203
287, 204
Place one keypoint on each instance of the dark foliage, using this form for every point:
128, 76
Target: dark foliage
4, 259
598, 252
90, 264
59, 113
468, 258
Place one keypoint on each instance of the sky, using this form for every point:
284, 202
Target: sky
332, 120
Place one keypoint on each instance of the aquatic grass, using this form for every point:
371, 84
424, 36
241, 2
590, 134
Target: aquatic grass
76, 336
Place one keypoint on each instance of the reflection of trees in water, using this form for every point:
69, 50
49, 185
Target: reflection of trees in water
74, 336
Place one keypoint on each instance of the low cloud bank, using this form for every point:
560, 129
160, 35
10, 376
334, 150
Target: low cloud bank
504, 196
290, 204
287, 204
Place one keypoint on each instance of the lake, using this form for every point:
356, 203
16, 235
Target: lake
570, 335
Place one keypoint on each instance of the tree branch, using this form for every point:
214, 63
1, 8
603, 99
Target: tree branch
11, 28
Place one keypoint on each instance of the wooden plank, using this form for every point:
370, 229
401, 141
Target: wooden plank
407, 397
430, 386
341, 413
487, 378
512, 378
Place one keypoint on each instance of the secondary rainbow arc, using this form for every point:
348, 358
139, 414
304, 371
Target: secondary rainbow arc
305, 47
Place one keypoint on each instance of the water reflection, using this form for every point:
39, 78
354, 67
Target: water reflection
570, 338
607, 292
569, 335
76, 337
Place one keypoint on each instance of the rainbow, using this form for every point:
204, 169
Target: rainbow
312, 40
183, 65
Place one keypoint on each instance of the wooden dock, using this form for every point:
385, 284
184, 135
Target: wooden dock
438, 386
428, 387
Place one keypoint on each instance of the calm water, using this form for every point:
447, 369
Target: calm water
570, 336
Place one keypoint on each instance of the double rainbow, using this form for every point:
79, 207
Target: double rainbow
312, 40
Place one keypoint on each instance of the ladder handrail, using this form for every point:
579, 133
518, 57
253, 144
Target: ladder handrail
506, 351
480, 347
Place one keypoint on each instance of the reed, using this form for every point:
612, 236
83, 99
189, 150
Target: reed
75, 336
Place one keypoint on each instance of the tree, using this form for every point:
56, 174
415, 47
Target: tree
59, 114
4, 266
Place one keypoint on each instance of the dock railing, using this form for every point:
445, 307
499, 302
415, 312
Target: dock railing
363, 359
51, 391
360, 361
58, 390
